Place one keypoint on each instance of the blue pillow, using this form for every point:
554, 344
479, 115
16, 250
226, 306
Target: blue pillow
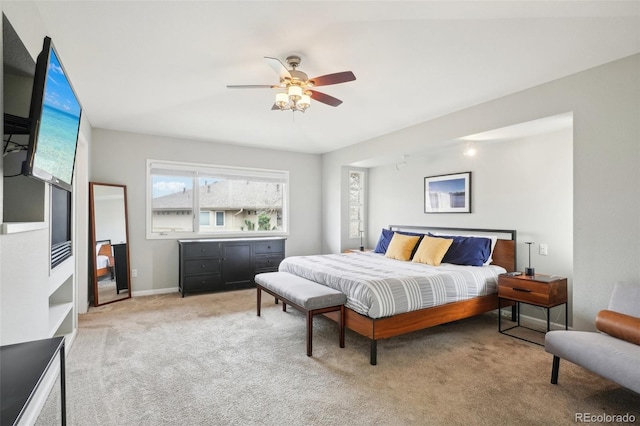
473, 251
385, 238
383, 241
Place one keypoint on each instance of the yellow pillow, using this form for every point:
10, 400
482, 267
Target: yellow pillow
401, 246
432, 250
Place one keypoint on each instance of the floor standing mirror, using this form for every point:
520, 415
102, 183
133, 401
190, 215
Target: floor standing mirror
110, 243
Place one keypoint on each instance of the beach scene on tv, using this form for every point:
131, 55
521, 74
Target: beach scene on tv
59, 123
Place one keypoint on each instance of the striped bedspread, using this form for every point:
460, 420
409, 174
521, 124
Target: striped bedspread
377, 286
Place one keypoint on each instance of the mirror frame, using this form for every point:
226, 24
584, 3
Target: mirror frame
92, 251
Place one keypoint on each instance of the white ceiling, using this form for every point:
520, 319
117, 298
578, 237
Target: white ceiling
161, 67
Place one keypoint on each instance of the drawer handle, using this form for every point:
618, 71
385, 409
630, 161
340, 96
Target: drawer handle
203, 266
522, 289
203, 250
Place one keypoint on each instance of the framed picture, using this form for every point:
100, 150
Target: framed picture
448, 193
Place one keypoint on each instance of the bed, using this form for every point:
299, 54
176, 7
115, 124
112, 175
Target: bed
104, 259
388, 297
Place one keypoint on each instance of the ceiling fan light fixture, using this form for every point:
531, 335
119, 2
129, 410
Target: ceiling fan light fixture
304, 102
295, 92
295, 86
282, 99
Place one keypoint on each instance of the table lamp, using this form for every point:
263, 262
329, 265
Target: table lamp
529, 271
361, 245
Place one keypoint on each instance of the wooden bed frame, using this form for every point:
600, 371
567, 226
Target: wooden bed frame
504, 255
105, 250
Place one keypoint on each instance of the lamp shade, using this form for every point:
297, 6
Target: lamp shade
282, 99
295, 92
304, 102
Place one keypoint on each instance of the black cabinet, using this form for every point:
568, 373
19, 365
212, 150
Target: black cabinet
226, 264
268, 255
121, 266
237, 264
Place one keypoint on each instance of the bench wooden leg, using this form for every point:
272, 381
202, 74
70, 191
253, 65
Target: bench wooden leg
309, 331
284, 306
259, 297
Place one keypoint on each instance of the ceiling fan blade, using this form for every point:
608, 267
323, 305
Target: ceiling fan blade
278, 67
324, 98
251, 86
339, 77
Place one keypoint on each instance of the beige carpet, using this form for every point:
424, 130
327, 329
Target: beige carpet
209, 360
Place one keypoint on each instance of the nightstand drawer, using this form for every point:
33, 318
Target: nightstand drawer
542, 291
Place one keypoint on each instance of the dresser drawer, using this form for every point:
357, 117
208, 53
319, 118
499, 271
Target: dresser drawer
270, 246
195, 250
531, 291
201, 266
211, 282
269, 263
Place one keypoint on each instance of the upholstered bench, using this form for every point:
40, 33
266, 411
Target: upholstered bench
307, 296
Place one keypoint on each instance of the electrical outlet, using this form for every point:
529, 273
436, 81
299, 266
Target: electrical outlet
134, 273
544, 249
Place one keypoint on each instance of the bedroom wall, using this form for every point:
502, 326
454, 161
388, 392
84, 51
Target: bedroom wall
530, 190
605, 102
524, 184
25, 278
120, 157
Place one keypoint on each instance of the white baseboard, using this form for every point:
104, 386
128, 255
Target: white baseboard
154, 292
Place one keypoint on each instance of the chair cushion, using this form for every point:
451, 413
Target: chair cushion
607, 356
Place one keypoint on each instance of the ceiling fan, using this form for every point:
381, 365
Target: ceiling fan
297, 88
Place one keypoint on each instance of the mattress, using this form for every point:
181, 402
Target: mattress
102, 261
377, 286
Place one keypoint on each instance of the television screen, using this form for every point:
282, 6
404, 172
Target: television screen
55, 122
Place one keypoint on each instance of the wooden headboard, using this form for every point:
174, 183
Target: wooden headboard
504, 253
105, 248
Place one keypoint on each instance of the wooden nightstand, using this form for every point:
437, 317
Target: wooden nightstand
546, 291
356, 250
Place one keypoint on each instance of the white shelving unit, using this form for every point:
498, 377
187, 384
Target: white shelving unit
61, 284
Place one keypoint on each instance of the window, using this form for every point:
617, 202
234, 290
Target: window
356, 203
185, 199
205, 219
219, 218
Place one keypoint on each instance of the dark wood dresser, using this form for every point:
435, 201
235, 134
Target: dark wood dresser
226, 264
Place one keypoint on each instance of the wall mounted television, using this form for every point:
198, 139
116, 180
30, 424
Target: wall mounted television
55, 122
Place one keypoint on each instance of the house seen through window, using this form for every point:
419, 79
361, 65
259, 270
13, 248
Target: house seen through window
202, 199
